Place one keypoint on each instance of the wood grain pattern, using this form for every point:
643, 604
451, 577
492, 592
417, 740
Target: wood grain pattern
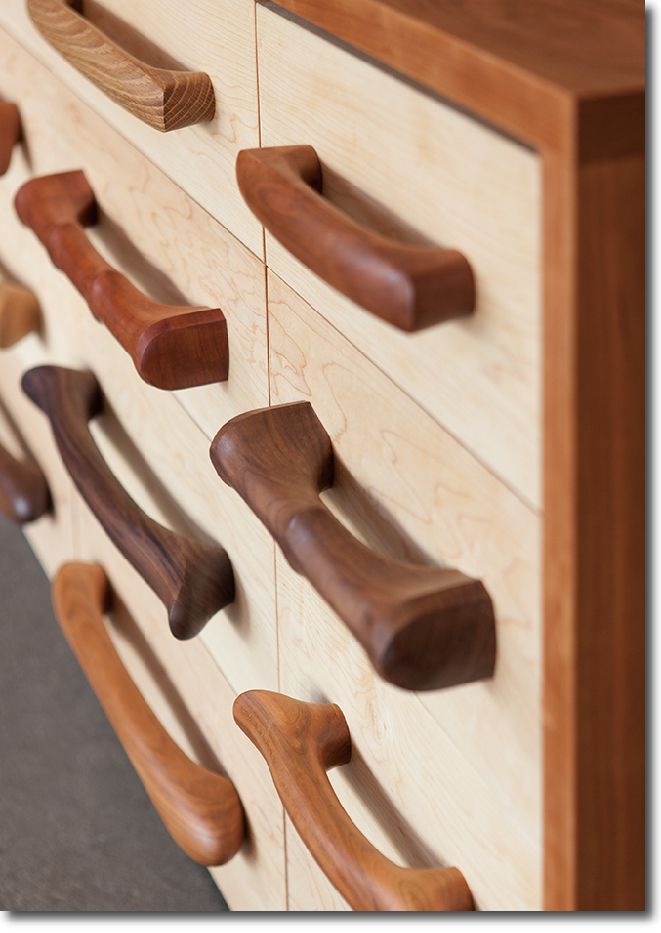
409, 286
300, 742
422, 627
200, 808
421, 172
172, 348
24, 493
10, 133
19, 313
215, 36
163, 98
410, 491
192, 578
517, 64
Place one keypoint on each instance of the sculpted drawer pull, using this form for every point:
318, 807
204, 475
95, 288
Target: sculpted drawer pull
422, 627
300, 743
192, 578
19, 313
24, 495
171, 347
409, 286
163, 98
10, 133
200, 808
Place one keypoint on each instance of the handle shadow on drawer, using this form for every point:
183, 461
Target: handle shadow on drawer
200, 808
422, 627
409, 286
192, 578
300, 743
10, 133
163, 98
171, 347
24, 493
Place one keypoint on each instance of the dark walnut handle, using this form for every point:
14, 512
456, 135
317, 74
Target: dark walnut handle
200, 808
300, 743
409, 286
10, 133
171, 347
422, 627
193, 579
19, 313
24, 494
163, 98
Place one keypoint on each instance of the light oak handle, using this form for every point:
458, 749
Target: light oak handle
10, 133
200, 808
163, 98
410, 286
19, 313
422, 627
300, 743
171, 347
193, 579
24, 494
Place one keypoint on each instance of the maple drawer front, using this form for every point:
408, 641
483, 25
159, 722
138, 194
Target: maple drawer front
216, 37
409, 490
409, 166
155, 442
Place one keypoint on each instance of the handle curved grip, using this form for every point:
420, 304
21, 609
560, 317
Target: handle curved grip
200, 808
163, 98
10, 133
300, 743
171, 347
24, 493
409, 286
19, 313
193, 579
422, 627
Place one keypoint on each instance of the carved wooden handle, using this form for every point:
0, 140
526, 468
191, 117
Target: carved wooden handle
24, 494
163, 98
422, 627
200, 808
300, 742
19, 313
410, 286
10, 133
192, 578
171, 347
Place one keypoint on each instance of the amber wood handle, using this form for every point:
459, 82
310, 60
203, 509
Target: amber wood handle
171, 347
10, 133
24, 494
410, 286
422, 627
301, 742
19, 313
200, 808
163, 98
193, 579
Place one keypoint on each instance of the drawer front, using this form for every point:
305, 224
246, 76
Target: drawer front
149, 229
429, 782
212, 36
409, 166
184, 686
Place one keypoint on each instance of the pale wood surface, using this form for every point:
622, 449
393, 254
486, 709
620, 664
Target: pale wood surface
414, 167
149, 229
409, 489
214, 36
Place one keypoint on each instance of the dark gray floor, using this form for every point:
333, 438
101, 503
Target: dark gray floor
77, 832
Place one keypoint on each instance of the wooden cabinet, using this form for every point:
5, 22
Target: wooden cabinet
422, 225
